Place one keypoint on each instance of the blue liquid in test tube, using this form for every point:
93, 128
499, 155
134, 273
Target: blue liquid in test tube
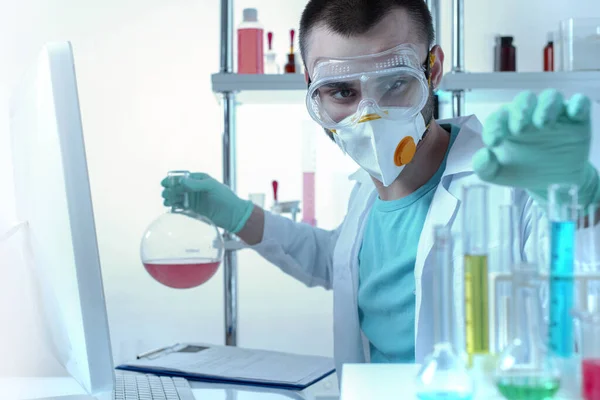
562, 212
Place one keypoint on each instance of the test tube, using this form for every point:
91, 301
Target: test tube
475, 242
538, 263
592, 221
443, 285
534, 236
501, 286
593, 266
562, 212
580, 267
309, 155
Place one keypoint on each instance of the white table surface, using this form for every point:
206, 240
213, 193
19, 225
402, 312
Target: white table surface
378, 381
35, 388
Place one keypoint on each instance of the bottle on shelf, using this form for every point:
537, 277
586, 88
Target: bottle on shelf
250, 44
505, 54
290, 67
549, 53
271, 66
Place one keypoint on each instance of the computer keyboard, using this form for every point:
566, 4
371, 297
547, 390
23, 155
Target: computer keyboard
134, 386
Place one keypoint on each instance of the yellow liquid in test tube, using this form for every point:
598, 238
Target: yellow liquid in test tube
476, 306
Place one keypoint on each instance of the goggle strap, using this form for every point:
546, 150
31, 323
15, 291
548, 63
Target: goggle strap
430, 62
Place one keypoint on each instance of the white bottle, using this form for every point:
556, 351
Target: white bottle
271, 66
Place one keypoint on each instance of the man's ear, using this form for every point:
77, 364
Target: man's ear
437, 69
306, 77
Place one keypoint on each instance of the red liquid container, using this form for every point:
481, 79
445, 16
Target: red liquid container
549, 54
181, 249
590, 369
588, 346
181, 274
505, 55
250, 44
290, 66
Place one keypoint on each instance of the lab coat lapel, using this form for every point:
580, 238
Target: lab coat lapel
444, 205
350, 343
443, 208
368, 194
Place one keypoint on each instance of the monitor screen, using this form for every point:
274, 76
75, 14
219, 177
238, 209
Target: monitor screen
53, 196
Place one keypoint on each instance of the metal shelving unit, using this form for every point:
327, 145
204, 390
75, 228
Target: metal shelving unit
237, 89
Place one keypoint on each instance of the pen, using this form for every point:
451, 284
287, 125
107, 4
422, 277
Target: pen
152, 352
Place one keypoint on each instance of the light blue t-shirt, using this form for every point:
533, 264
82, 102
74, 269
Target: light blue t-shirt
386, 293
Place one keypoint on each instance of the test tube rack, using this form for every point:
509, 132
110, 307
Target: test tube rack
287, 207
585, 299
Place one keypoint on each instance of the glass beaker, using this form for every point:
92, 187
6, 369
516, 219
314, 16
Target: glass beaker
587, 336
181, 249
580, 41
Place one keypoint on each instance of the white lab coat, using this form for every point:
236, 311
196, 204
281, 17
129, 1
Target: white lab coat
329, 259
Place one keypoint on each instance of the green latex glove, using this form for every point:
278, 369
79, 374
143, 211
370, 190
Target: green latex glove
208, 198
534, 142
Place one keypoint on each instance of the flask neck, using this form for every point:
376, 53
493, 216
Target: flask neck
175, 178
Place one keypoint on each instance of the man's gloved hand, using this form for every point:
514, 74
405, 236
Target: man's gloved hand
209, 198
534, 142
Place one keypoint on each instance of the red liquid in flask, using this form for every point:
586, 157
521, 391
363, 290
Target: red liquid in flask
181, 274
591, 378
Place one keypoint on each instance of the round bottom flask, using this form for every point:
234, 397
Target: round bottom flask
181, 249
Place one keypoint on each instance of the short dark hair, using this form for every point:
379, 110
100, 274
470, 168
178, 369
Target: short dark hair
355, 17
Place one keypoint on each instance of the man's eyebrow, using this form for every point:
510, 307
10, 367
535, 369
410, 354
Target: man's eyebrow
338, 85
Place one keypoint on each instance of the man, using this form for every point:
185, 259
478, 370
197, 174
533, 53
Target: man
371, 72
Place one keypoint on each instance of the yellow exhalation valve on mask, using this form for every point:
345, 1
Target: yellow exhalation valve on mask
405, 151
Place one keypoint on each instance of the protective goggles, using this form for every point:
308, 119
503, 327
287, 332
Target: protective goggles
342, 89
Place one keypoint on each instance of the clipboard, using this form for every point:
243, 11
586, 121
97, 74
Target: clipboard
233, 365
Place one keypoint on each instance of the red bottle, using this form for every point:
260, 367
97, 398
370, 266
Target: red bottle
250, 44
549, 54
290, 67
506, 55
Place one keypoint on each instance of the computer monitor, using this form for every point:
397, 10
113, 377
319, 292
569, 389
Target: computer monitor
53, 195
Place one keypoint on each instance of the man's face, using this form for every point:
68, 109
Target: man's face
395, 29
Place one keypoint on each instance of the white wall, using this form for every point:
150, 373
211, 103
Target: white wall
144, 78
